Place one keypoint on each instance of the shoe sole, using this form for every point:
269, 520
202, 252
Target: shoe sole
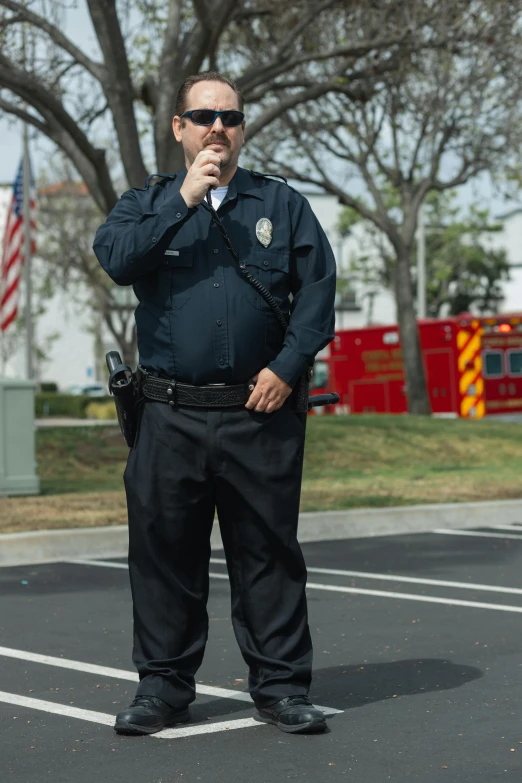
312, 727
123, 727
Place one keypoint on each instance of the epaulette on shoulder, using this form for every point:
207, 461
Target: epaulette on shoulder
269, 176
159, 178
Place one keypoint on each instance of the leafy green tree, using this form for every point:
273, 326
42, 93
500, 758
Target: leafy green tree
463, 272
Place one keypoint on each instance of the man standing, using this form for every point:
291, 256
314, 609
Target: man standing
217, 428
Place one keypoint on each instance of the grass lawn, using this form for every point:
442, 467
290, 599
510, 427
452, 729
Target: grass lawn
350, 461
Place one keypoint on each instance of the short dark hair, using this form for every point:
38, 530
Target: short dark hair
204, 76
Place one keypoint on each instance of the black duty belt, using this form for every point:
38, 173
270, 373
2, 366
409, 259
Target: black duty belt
175, 393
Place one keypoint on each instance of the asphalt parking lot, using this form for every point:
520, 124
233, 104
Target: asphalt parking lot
417, 660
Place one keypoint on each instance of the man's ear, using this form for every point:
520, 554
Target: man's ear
176, 127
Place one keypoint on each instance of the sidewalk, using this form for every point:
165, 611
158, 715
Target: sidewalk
69, 422
42, 546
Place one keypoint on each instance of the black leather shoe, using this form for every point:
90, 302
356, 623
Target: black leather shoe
148, 714
294, 714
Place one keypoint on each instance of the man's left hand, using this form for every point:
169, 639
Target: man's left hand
270, 392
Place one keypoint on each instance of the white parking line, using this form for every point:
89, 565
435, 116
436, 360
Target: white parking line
108, 671
57, 709
362, 591
207, 728
108, 720
398, 578
103, 563
413, 597
508, 527
123, 674
475, 534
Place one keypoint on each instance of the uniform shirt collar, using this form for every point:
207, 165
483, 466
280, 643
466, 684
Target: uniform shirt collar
243, 182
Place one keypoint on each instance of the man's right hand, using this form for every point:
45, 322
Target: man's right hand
203, 174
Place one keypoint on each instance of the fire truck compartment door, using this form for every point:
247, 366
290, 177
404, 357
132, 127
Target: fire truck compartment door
369, 397
441, 380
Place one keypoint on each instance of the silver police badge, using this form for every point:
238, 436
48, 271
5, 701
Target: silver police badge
264, 231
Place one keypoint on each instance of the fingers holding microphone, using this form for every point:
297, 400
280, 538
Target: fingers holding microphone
202, 175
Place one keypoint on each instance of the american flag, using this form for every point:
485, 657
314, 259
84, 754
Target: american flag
13, 251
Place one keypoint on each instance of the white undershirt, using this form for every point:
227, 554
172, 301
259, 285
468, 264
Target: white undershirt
218, 195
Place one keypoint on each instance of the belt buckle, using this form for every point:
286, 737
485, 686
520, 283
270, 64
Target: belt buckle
171, 392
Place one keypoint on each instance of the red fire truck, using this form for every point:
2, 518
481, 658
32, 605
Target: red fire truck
473, 367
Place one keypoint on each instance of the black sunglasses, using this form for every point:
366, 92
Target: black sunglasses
229, 117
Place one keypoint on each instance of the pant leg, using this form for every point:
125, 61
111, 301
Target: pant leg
257, 495
171, 509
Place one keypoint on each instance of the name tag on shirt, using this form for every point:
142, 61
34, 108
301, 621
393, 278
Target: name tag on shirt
172, 252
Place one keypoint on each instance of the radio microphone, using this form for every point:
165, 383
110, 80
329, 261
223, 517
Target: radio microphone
209, 191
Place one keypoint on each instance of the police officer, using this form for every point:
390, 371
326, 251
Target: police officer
217, 429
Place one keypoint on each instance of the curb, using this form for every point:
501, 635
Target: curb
46, 546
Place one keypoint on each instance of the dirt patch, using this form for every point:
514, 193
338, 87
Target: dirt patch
79, 509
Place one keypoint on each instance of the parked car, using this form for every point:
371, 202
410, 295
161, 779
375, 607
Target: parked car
90, 389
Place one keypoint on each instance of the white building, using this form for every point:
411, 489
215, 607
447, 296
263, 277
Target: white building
72, 356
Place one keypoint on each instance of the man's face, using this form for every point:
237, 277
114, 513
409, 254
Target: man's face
226, 142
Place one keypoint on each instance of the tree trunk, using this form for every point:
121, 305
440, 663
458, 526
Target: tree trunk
416, 389
128, 350
123, 330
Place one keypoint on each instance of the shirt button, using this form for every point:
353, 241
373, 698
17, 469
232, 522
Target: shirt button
178, 214
216, 285
265, 263
166, 262
216, 250
154, 239
222, 361
219, 323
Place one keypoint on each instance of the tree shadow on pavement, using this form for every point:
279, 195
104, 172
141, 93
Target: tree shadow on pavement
346, 687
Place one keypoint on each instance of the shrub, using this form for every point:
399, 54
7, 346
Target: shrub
49, 387
101, 410
70, 405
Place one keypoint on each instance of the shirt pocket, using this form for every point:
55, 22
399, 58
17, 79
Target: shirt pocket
272, 269
178, 272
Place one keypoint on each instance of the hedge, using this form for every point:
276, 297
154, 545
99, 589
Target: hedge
70, 405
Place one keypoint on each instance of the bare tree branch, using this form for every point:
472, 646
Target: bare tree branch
30, 119
95, 69
257, 76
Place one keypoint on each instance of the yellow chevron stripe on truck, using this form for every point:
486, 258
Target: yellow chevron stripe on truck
471, 383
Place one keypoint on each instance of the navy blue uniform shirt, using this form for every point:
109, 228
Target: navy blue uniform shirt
197, 319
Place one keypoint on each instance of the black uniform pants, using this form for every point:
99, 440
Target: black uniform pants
186, 463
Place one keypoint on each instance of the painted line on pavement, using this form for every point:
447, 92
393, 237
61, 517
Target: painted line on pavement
103, 563
363, 591
207, 728
508, 527
413, 597
475, 534
398, 578
56, 708
123, 674
108, 720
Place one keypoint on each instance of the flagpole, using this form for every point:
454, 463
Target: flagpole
27, 240
27, 256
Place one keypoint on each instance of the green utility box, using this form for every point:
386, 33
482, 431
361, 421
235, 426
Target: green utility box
17, 441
